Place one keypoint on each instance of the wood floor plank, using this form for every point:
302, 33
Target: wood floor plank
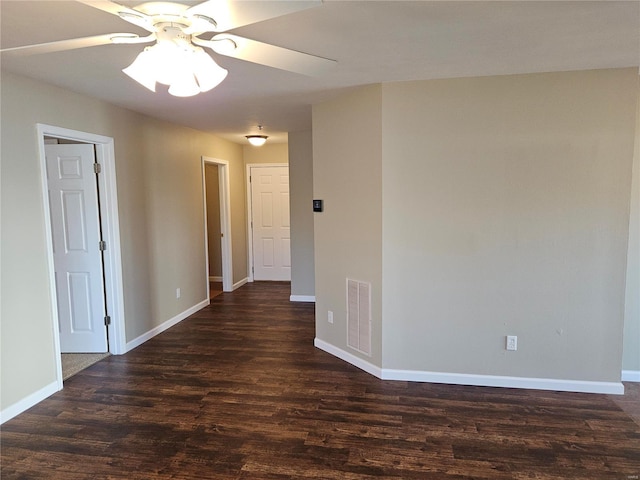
237, 391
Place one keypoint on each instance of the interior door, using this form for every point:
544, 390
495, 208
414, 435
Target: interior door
214, 226
75, 224
271, 228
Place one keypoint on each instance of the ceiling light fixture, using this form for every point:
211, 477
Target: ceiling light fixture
257, 140
175, 61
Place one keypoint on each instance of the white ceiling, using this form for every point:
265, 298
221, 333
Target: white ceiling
373, 42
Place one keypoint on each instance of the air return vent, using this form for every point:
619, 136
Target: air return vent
359, 315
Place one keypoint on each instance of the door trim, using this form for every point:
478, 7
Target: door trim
225, 222
250, 209
105, 154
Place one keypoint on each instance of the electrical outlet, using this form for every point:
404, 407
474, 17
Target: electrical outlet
177, 293
330, 316
512, 342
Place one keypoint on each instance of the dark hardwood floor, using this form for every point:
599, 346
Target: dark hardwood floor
215, 289
238, 391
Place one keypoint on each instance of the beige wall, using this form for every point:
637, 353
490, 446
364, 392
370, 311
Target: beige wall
301, 196
631, 351
159, 177
268, 153
498, 206
506, 212
213, 220
347, 176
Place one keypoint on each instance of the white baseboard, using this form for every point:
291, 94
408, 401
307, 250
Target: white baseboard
615, 388
302, 298
584, 386
631, 375
237, 285
348, 357
215, 279
29, 401
136, 342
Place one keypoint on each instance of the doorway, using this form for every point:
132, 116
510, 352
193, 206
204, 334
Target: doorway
111, 290
217, 224
269, 222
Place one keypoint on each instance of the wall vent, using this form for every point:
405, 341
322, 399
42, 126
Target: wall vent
359, 316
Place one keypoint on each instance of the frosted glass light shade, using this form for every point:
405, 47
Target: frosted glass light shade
183, 82
184, 85
142, 71
168, 59
188, 70
208, 73
257, 140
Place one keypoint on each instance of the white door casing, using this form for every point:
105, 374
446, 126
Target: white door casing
73, 202
271, 237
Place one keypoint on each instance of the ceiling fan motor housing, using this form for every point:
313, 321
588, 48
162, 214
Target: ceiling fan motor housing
172, 32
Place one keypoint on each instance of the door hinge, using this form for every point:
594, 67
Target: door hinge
102, 245
107, 320
97, 167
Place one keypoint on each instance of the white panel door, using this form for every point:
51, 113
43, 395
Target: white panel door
75, 225
271, 229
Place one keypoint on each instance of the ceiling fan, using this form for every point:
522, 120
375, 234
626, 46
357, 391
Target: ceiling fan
177, 57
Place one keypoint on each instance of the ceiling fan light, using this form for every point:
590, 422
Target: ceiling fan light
257, 140
168, 60
208, 73
142, 71
184, 85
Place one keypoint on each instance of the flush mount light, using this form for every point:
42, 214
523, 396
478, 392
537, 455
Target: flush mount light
257, 140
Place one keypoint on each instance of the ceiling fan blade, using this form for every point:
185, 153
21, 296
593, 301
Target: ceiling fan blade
229, 14
135, 17
74, 43
266, 54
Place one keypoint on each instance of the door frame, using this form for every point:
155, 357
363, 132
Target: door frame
105, 155
250, 209
225, 222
